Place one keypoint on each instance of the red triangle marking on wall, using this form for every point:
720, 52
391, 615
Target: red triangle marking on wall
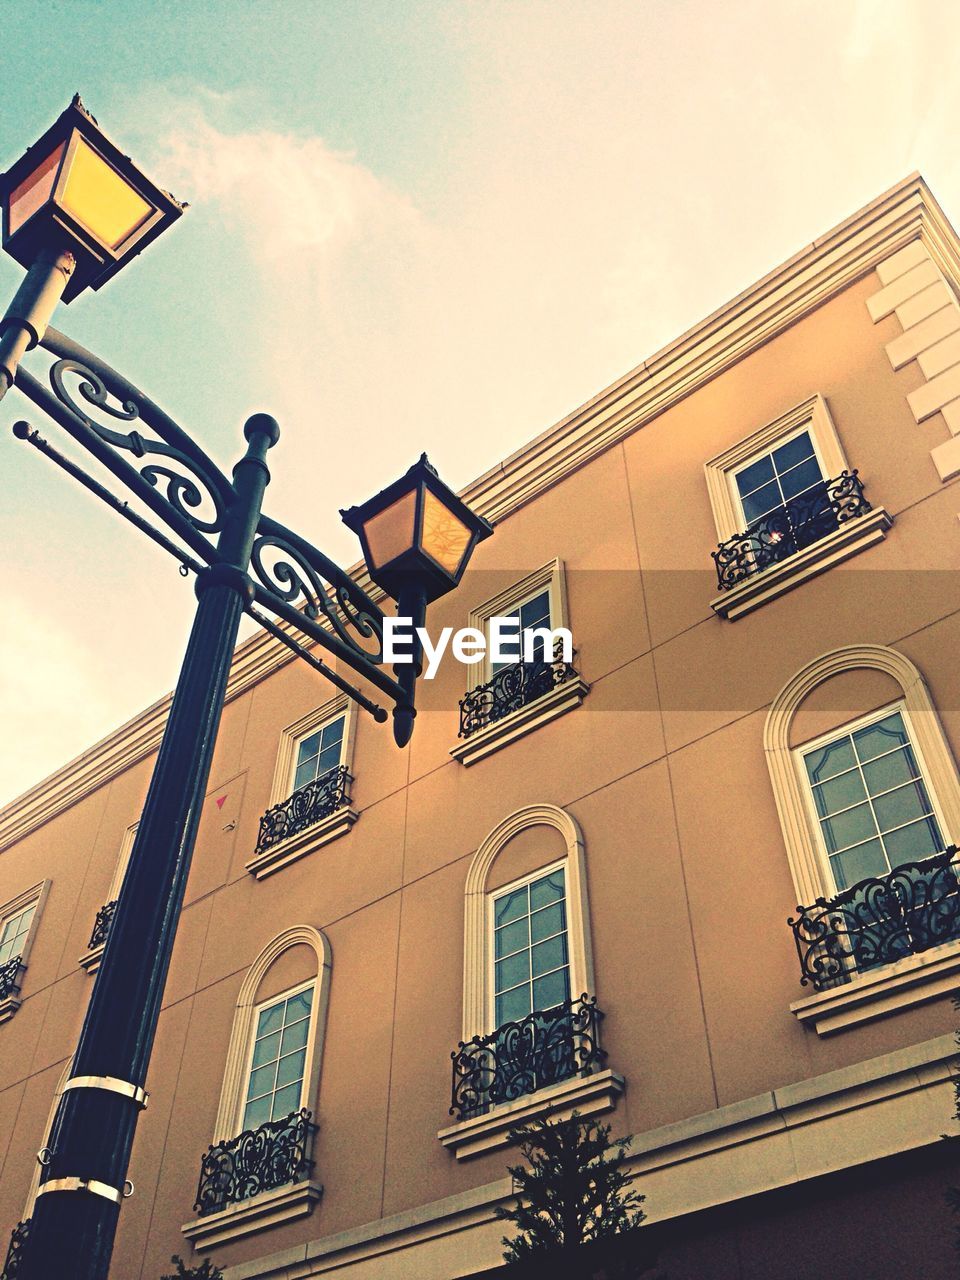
220, 800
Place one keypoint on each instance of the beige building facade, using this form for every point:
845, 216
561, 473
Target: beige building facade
371, 935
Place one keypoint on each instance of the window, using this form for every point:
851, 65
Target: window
506, 700
531, 959
18, 925
310, 797
278, 1059
785, 501
530, 1037
259, 1170
875, 800
90, 960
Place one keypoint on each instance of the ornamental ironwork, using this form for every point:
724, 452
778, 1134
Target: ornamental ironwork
256, 1160
101, 926
18, 1237
521, 1057
879, 921
783, 532
307, 805
510, 689
10, 977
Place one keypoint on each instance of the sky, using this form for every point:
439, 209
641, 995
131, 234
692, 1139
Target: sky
413, 226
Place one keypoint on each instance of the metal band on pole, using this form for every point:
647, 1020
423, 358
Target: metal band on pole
111, 1084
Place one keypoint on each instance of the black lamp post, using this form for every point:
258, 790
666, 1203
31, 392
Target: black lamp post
74, 210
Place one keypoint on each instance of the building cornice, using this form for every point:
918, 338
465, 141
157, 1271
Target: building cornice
907, 212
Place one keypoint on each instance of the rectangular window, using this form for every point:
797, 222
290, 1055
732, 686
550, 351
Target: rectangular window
531, 955
278, 1059
769, 483
319, 752
871, 801
13, 932
528, 616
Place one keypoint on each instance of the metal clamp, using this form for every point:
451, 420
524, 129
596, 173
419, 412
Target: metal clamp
87, 1184
111, 1084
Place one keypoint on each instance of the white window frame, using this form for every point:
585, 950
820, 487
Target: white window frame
565, 697
844, 730
35, 896
577, 980
335, 824
846, 540
311, 985
90, 960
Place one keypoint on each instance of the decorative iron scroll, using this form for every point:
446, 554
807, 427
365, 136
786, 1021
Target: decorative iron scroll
256, 1160
10, 977
307, 805
295, 571
18, 1238
510, 689
878, 921
797, 524
101, 926
520, 1057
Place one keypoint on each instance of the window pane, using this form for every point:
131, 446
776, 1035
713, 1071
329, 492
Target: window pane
890, 771
305, 773
308, 747
298, 1006
549, 955
794, 451
295, 1037
552, 990
262, 1080
510, 906
903, 805
512, 938
545, 892
826, 762
512, 971
752, 477
849, 828
536, 612
256, 1113
759, 503
285, 1101
291, 1067
839, 793
862, 863
800, 478
270, 1019
513, 1005
329, 758
875, 739
549, 921
332, 734
912, 844
267, 1049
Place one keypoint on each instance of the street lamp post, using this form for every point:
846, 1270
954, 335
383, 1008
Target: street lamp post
73, 227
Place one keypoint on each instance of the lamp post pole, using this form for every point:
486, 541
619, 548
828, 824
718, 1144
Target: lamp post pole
85, 1166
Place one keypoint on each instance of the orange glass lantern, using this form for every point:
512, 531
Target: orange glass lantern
74, 189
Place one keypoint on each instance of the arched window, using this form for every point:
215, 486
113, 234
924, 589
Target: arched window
530, 1018
869, 801
258, 1170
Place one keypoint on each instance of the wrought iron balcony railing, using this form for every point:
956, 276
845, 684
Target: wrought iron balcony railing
510, 689
10, 977
11, 1267
307, 805
783, 532
878, 921
101, 926
521, 1057
256, 1160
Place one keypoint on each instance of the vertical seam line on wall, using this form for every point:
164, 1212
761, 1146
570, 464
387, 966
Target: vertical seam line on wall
673, 803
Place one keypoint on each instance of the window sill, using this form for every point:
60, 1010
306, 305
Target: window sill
589, 1095
873, 995
846, 541
305, 842
565, 697
8, 1007
90, 960
284, 1204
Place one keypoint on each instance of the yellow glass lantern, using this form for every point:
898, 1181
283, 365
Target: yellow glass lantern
74, 189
